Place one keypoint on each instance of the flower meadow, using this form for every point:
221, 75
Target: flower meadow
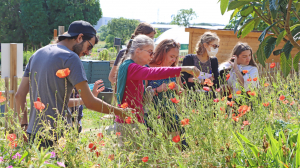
258, 128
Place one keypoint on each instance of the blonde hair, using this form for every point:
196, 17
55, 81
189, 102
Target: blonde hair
207, 37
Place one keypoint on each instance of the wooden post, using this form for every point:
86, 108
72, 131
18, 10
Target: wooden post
7, 98
13, 71
54, 34
61, 30
15, 91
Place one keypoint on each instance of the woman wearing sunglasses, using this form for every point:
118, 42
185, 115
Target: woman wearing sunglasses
205, 60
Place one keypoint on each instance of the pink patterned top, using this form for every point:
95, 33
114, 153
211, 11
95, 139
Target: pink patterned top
134, 88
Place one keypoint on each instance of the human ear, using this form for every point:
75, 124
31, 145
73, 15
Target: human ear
79, 38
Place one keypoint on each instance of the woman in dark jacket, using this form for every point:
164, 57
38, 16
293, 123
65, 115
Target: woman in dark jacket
205, 60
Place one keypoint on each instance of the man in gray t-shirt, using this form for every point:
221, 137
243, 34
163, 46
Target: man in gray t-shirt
41, 80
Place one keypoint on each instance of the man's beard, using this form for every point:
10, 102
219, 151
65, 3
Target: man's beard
77, 48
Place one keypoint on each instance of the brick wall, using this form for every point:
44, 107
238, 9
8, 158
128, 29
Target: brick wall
228, 40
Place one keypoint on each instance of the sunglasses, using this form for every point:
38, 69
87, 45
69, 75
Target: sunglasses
150, 52
91, 46
214, 46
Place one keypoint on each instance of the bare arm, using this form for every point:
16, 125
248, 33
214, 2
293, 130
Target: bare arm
112, 74
98, 87
237, 71
21, 100
93, 103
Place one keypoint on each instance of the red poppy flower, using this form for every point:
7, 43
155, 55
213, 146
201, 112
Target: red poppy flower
272, 65
2, 99
38, 104
249, 79
174, 100
246, 123
281, 97
266, 84
222, 108
111, 157
251, 93
235, 118
145, 159
223, 98
128, 120
238, 92
118, 133
13, 144
185, 122
176, 139
62, 73
266, 104
98, 153
218, 90
100, 135
285, 102
184, 83
230, 103
244, 108
255, 79
172, 85
206, 88
230, 96
124, 105
227, 76
216, 100
245, 71
208, 82
102, 143
11, 137
92, 146
292, 103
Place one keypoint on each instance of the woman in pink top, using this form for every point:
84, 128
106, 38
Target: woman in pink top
130, 77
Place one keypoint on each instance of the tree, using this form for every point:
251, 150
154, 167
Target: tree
184, 16
11, 30
103, 32
158, 33
122, 28
40, 17
282, 19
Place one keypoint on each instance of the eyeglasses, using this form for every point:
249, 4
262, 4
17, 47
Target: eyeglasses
214, 46
91, 46
150, 52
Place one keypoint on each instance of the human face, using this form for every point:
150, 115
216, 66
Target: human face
143, 56
84, 48
244, 58
213, 44
171, 57
151, 35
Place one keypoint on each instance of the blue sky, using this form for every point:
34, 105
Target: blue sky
208, 11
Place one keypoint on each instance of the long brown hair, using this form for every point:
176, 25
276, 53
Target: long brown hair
239, 48
207, 37
142, 28
162, 49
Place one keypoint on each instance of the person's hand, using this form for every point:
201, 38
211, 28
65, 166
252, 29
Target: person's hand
191, 70
97, 87
234, 63
162, 88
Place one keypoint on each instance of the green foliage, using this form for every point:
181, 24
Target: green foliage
184, 16
103, 32
285, 64
33, 21
11, 29
120, 28
158, 33
267, 15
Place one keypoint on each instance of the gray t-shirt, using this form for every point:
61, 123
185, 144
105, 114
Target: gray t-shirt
119, 57
45, 62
